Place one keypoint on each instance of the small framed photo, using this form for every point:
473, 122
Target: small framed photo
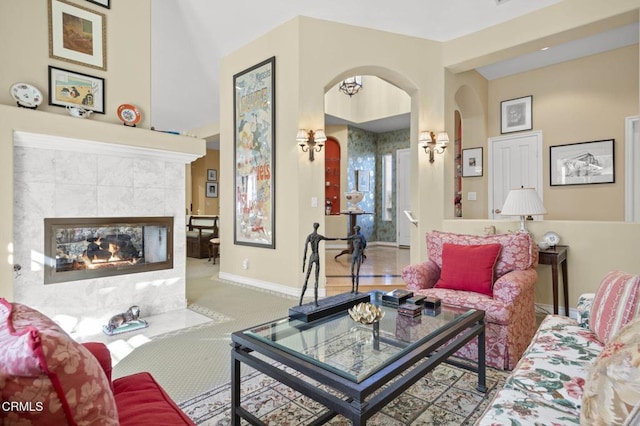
582, 163
68, 88
103, 3
77, 34
212, 190
516, 115
212, 175
362, 179
472, 162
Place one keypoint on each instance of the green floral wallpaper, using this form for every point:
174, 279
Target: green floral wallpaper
365, 150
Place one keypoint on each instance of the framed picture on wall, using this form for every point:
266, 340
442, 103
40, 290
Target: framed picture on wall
254, 155
73, 89
582, 163
77, 35
516, 115
212, 175
362, 178
212, 190
472, 162
103, 3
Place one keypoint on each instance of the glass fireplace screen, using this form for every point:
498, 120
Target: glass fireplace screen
83, 248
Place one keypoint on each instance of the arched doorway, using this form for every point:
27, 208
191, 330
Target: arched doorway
369, 138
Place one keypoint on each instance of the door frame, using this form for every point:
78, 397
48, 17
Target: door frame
490, 142
399, 215
630, 167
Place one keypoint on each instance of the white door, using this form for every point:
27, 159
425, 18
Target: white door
403, 203
632, 169
514, 162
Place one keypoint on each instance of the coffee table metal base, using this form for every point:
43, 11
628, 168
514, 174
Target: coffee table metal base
396, 377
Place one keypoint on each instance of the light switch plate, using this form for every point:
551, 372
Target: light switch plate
471, 196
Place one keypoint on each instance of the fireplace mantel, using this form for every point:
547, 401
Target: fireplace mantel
60, 143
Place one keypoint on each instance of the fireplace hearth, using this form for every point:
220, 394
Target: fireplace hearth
84, 248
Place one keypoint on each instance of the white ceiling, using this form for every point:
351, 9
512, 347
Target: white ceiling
189, 38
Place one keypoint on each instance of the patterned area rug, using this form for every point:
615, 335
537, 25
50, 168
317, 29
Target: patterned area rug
446, 396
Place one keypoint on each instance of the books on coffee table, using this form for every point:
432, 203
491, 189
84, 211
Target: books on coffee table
395, 298
410, 310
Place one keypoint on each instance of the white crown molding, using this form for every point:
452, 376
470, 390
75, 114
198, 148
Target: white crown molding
58, 143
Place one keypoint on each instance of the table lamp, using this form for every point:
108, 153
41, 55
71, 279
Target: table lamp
523, 202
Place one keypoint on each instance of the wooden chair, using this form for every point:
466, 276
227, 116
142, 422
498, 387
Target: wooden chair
200, 230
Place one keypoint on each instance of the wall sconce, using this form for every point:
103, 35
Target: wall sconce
432, 143
311, 141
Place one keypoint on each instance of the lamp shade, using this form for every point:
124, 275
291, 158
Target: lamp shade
443, 138
523, 202
302, 136
319, 136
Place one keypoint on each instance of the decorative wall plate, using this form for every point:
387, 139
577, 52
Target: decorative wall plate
26, 95
129, 114
552, 238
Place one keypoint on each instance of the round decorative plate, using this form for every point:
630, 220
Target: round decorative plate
129, 114
552, 238
26, 95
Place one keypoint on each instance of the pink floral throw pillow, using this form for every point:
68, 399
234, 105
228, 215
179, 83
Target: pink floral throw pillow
46, 377
612, 385
615, 304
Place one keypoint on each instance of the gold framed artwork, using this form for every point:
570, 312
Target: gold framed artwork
77, 35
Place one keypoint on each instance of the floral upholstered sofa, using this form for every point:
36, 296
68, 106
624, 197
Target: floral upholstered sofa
579, 372
499, 280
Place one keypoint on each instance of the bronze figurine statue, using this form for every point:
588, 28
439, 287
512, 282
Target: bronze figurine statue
313, 240
357, 256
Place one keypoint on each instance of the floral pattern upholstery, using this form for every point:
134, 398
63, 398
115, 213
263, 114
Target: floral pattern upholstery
57, 380
613, 382
509, 314
547, 385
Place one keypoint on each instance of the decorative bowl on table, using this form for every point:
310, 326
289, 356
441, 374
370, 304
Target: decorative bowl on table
354, 197
366, 313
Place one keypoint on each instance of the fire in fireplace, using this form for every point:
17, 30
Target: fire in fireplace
82, 248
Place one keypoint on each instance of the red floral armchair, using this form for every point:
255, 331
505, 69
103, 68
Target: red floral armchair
510, 310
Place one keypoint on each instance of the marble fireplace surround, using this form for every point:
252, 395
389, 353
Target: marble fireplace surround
63, 177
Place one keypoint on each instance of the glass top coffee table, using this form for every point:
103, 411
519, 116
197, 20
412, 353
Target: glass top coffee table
369, 365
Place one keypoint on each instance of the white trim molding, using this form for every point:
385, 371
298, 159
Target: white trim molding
58, 143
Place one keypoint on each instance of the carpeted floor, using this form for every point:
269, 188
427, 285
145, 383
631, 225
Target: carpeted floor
193, 360
446, 396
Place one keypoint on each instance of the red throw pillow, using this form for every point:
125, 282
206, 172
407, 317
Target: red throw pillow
52, 379
469, 267
615, 304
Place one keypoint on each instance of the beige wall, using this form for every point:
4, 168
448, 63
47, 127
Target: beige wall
296, 44
201, 204
127, 79
582, 100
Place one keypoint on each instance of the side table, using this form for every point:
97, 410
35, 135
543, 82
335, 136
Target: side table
555, 256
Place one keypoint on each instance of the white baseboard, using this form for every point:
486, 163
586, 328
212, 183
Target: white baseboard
269, 286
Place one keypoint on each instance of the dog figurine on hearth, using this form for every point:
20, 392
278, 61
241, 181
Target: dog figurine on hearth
132, 314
